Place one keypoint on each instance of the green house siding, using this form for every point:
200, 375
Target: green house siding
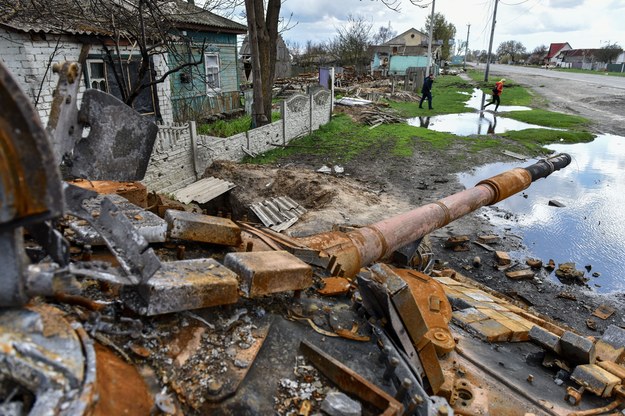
190, 95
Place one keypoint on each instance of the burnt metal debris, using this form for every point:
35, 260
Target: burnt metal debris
253, 321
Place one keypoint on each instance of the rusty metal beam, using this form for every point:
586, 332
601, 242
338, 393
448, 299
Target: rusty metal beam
351, 382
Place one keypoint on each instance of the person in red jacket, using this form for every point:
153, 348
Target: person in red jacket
497, 90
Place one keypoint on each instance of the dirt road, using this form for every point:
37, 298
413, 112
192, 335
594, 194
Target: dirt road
599, 97
377, 185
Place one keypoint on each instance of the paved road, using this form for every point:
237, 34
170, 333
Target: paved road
598, 97
598, 79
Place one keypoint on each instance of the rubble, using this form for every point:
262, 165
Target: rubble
254, 321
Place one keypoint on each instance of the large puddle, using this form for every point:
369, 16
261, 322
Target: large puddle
589, 229
466, 124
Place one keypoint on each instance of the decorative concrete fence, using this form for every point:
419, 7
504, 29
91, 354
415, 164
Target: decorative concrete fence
181, 156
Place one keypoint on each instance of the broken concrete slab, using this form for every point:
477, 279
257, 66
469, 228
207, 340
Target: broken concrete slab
577, 349
202, 228
595, 379
266, 272
184, 285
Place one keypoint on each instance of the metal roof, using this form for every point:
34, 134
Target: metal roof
203, 190
75, 18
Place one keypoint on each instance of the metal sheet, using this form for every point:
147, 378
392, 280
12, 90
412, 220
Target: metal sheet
203, 190
120, 140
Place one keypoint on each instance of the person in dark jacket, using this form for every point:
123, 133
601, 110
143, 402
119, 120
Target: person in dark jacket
497, 94
426, 91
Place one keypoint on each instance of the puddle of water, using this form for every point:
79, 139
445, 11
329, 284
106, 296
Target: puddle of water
466, 124
589, 230
479, 98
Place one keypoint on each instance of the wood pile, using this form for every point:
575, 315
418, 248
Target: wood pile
376, 117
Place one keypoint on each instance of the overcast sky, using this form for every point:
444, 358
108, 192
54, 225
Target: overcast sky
581, 23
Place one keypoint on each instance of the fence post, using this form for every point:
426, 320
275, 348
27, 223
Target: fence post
283, 117
194, 148
310, 112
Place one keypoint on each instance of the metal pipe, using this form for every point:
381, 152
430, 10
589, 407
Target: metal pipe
364, 246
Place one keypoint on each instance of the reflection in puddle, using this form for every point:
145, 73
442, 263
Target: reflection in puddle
589, 229
466, 124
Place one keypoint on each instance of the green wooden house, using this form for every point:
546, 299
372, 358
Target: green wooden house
212, 86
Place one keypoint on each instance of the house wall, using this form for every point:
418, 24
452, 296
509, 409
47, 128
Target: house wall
193, 98
398, 64
29, 58
180, 156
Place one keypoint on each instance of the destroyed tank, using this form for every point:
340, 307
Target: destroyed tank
315, 323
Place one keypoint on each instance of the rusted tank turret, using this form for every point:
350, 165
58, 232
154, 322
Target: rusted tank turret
363, 246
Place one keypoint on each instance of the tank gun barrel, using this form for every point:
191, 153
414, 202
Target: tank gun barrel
366, 245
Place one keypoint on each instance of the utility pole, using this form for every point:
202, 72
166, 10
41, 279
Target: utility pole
429, 70
490, 44
466, 49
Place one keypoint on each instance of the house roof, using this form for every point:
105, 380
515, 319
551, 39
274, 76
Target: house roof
554, 48
76, 18
188, 14
399, 39
581, 52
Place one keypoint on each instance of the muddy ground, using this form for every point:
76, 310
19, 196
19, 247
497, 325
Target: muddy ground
377, 185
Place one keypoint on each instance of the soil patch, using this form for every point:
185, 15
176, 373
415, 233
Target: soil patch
377, 185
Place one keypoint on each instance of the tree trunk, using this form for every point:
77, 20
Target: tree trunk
263, 36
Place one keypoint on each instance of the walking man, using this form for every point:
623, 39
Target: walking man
497, 90
426, 91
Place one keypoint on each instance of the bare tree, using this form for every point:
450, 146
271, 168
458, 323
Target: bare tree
350, 44
146, 28
609, 52
384, 34
537, 55
511, 48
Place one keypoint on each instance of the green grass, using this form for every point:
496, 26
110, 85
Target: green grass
227, 128
549, 119
533, 140
446, 98
342, 139
588, 71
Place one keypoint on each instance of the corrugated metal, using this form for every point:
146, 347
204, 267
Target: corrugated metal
203, 190
278, 213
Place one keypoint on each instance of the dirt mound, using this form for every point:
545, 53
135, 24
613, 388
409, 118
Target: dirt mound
330, 200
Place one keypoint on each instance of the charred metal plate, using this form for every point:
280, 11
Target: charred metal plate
183, 285
136, 258
30, 182
47, 357
202, 228
119, 143
268, 272
149, 225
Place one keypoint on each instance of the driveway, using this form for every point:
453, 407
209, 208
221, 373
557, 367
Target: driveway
598, 97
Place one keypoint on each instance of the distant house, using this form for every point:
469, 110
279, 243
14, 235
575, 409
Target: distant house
582, 59
283, 59
407, 49
30, 43
556, 53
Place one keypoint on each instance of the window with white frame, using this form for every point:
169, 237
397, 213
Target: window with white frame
96, 73
211, 63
